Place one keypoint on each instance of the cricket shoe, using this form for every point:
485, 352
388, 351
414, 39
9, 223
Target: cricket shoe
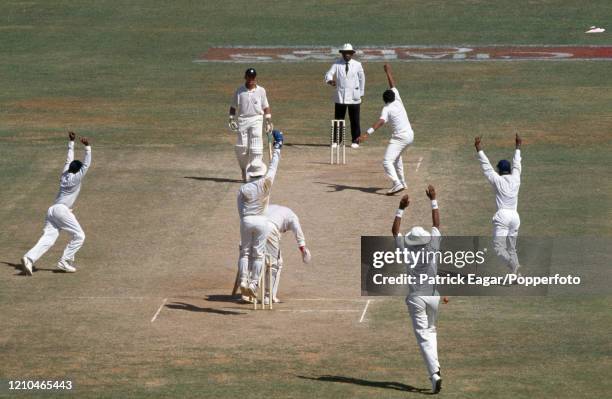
246, 299
354, 145
267, 300
66, 266
334, 145
395, 189
275, 300
436, 383
243, 287
252, 289
26, 266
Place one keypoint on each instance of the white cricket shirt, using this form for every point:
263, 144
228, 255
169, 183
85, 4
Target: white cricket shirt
395, 115
70, 183
507, 186
250, 102
284, 219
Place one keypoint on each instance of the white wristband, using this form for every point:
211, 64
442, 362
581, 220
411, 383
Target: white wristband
434, 204
399, 213
370, 131
268, 116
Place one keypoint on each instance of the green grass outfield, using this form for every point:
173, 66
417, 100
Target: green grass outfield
123, 74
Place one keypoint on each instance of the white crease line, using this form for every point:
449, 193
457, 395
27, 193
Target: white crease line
419, 164
317, 310
159, 310
105, 297
327, 299
365, 310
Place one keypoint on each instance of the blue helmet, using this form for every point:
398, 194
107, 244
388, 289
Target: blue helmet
504, 167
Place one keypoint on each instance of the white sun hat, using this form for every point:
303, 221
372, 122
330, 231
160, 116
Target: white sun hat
346, 47
417, 236
256, 169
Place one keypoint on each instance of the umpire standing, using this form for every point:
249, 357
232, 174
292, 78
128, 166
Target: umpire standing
347, 76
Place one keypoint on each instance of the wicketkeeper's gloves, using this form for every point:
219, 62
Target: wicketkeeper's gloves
278, 139
233, 125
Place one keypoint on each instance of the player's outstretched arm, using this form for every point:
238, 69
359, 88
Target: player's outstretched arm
435, 213
516, 161
70, 155
404, 202
387, 69
487, 169
87, 159
363, 137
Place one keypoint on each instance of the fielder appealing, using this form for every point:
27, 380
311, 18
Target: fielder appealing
281, 220
60, 216
252, 105
253, 198
506, 220
423, 298
402, 136
347, 76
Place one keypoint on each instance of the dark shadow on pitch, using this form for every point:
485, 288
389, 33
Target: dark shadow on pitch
224, 298
17, 266
214, 179
342, 187
398, 386
192, 308
305, 145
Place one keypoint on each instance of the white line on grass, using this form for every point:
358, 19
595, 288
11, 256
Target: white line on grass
419, 164
159, 310
365, 310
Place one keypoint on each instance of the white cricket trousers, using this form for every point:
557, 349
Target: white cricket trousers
250, 135
506, 223
59, 217
424, 312
253, 234
393, 164
274, 256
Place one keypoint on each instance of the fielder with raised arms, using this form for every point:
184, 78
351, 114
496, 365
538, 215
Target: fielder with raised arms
281, 220
251, 103
506, 220
60, 216
423, 298
253, 199
402, 136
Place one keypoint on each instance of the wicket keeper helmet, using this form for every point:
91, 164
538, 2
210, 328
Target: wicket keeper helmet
504, 167
256, 169
75, 166
388, 96
250, 73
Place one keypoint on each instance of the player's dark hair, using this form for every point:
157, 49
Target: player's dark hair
504, 167
75, 166
388, 96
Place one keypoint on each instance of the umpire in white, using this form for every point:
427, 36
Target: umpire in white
423, 298
347, 76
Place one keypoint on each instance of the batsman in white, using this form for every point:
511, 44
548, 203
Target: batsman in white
251, 103
60, 216
423, 298
506, 220
402, 136
281, 220
253, 199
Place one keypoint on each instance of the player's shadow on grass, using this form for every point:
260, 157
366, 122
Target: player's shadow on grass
305, 145
214, 179
342, 187
17, 266
192, 308
398, 386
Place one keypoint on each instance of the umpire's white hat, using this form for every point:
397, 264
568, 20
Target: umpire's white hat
346, 48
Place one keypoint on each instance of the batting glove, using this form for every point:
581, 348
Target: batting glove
233, 125
269, 126
278, 139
